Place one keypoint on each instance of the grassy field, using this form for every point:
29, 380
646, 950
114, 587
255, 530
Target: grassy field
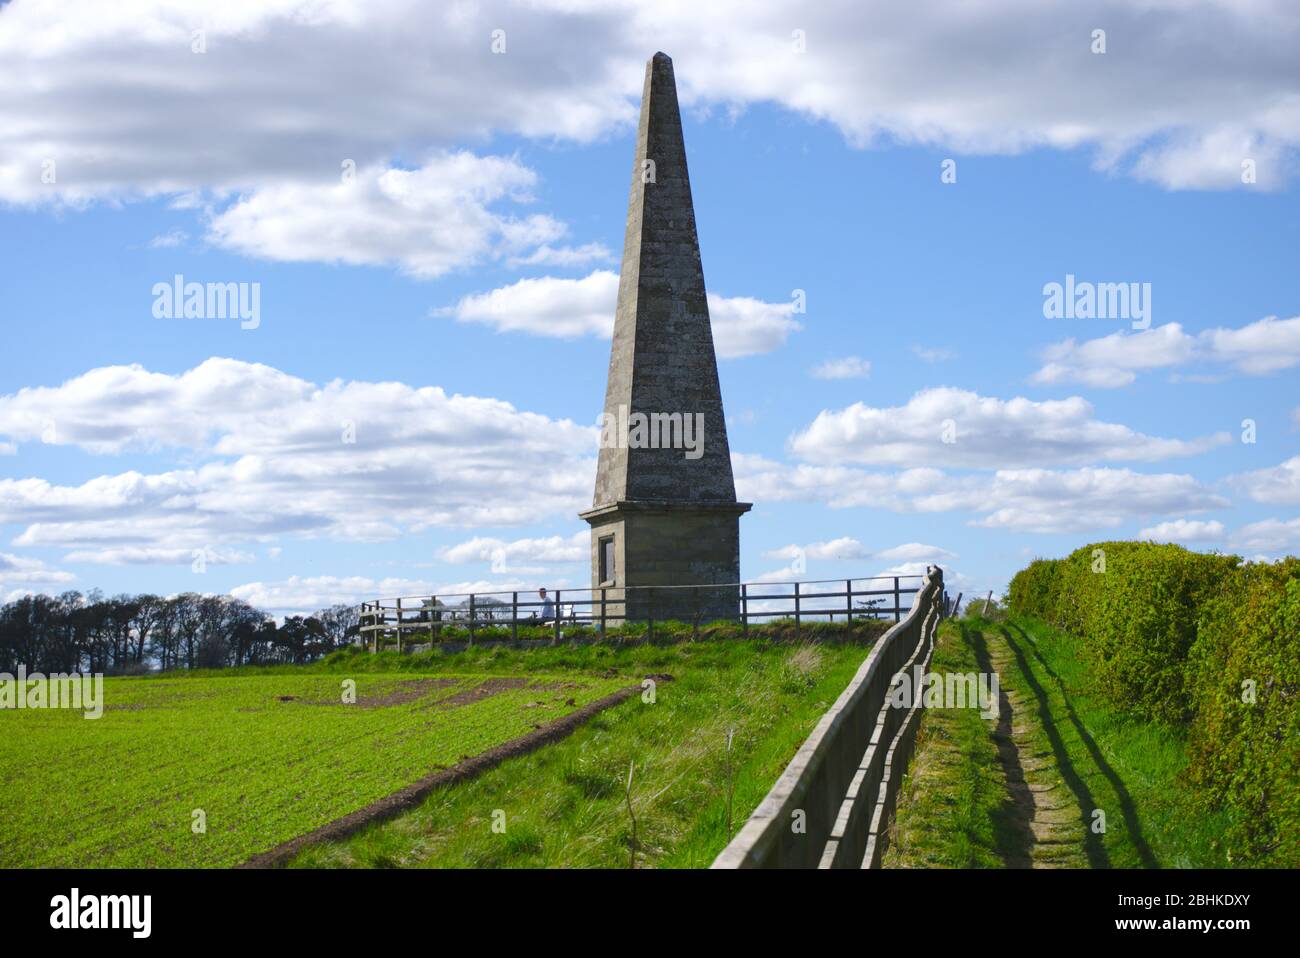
566, 805
955, 809
265, 757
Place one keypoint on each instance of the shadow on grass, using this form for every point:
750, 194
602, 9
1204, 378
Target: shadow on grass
1127, 808
1012, 834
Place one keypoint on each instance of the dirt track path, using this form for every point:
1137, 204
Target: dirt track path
1045, 813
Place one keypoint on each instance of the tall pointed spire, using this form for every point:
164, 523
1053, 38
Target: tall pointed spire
664, 513
662, 358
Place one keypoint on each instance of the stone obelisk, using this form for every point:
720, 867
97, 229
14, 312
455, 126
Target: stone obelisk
663, 515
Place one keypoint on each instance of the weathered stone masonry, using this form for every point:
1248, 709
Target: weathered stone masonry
673, 520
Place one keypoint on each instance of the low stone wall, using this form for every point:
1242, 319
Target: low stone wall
831, 806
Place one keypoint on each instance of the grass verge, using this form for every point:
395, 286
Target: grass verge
953, 810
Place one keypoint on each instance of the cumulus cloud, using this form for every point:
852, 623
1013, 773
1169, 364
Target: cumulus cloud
1184, 530
159, 555
916, 552
1023, 500
1278, 485
273, 454
845, 547
21, 575
848, 548
521, 555
1271, 536
284, 83
847, 367
566, 308
426, 221
1266, 346
954, 427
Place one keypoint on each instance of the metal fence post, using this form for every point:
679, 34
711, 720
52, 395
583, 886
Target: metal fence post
796, 608
848, 601
514, 616
471, 618
744, 610
399, 626
602, 613
898, 602
556, 639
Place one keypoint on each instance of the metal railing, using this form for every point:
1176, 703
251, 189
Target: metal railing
466, 615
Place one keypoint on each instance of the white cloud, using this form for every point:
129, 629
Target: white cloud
521, 555
1273, 536
847, 367
545, 306
1278, 485
744, 326
158, 555
547, 255
170, 239
566, 308
848, 548
933, 355
986, 432
1184, 530
105, 88
842, 548
916, 552
427, 221
21, 575
1024, 500
270, 456
1040, 500
1265, 346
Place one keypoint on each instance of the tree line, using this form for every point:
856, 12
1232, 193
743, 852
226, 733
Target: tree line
126, 634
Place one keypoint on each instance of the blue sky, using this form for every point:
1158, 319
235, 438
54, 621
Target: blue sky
132, 441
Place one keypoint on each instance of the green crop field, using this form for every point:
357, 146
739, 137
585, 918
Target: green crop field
262, 757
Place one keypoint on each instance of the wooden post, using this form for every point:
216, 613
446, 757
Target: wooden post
988, 602
399, 626
556, 639
744, 610
471, 618
514, 616
898, 602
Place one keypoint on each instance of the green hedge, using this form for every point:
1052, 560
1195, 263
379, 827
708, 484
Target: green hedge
1245, 754
1171, 635
1135, 603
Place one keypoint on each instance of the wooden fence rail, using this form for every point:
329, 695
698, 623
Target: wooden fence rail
384, 621
832, 805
